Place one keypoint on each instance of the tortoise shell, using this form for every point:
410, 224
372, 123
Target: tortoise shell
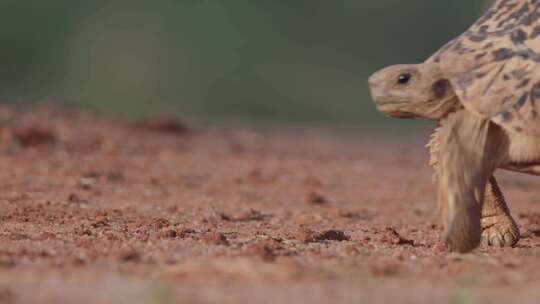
494, 67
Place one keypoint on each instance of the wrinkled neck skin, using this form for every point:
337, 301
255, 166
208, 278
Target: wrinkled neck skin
443, 114
441, 109
435, 110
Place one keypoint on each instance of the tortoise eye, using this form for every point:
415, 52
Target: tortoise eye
404, 78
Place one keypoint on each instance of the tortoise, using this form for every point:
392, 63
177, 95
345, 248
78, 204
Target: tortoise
483, 88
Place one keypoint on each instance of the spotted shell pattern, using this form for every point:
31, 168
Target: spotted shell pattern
494, 66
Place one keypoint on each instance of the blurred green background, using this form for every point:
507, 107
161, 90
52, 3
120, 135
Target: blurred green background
262, 60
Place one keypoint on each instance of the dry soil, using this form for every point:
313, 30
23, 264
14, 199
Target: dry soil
100, 211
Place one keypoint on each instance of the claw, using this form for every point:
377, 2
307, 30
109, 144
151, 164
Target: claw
484, 242
496, 241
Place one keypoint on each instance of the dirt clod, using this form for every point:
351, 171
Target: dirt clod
385, 268
215, 238
245, 216
186, 232
250, 215
102, 221
170, 234
315, 198
169, 125
159, 223
266, 250
310, 236
130, 255
87, 183
397, 239
75, 198
32, 136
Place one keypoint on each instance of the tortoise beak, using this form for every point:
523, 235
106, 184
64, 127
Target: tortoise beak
374, 81
376, 87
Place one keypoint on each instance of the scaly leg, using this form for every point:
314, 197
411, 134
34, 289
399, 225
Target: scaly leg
498, 227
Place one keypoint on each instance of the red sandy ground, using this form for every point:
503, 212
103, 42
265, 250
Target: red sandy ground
95, 211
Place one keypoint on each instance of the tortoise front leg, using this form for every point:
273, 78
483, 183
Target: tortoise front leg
498, 226
471, 149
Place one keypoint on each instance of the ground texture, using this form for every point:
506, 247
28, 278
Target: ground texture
97, 211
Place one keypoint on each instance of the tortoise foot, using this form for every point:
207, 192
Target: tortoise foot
499, 231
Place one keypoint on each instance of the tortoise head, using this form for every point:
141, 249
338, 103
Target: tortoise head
413, 91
